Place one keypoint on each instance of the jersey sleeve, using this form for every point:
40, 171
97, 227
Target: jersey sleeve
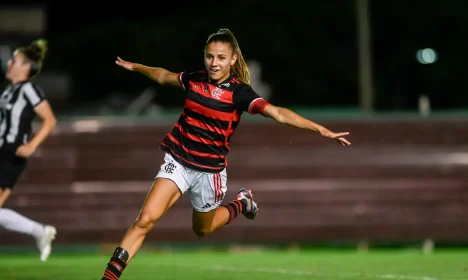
34, 94
246, 99
185, 77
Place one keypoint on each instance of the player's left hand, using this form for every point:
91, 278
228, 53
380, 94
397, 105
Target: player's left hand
25, 150
337, 136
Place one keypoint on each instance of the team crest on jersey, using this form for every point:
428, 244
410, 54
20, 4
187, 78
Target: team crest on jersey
216, 93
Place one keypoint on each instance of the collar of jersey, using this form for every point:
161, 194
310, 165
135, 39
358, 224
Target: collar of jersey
223, 82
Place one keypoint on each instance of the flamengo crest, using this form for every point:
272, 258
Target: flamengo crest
217, 93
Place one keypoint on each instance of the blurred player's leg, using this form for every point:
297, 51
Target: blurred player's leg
207, 222
13, 221
163, 194
4, 194
44, 244
43, 234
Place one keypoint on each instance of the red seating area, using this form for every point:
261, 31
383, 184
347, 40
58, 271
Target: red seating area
400, 180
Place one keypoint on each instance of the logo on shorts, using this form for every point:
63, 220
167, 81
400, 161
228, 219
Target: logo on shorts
206, 206
169, 168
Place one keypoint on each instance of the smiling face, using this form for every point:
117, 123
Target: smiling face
219, 58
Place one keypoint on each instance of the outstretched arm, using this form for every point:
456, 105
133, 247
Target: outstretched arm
158, 74
288, 117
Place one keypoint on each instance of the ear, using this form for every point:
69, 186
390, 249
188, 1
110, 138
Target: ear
25, 66
234, 59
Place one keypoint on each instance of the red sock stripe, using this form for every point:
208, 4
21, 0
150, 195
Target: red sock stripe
109, 274
117, 265
234, 208
239, 206
232, 213
114, 269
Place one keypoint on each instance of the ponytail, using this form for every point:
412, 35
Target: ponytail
35, 54
240, 69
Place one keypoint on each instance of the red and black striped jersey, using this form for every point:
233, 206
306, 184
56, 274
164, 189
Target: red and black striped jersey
201, 137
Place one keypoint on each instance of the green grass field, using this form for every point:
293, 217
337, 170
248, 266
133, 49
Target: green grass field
311, 264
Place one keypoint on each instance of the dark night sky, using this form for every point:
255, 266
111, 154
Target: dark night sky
64, 15
399, 29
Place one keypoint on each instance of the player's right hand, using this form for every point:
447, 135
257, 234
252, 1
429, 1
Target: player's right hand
125, 64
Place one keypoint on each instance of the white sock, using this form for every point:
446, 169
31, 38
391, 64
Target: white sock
13, 221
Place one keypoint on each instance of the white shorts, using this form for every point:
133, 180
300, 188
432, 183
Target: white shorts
207, 190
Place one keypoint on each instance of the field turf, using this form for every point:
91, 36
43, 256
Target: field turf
311, 264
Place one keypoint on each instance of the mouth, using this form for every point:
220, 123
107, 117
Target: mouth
214, 71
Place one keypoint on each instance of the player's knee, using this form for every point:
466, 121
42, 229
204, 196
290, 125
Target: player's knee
146, 221
200, 232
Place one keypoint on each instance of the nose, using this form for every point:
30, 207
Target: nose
214, 62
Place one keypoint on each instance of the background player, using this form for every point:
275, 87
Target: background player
20, 102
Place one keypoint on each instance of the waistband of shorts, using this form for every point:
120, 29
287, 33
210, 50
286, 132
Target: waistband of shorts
191, 166
8, 153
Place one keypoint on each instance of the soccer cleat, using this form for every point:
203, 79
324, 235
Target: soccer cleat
44, 244
251, 210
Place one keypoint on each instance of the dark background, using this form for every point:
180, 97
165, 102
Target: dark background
404, 179
308, 50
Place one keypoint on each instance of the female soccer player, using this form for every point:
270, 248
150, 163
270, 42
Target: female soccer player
19, 104
197, 146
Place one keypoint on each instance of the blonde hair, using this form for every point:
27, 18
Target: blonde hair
240, 68
35, 54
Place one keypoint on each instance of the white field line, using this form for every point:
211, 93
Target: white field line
296, 272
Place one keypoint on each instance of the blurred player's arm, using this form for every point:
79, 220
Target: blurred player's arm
288, 117
44, 111
157, 74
